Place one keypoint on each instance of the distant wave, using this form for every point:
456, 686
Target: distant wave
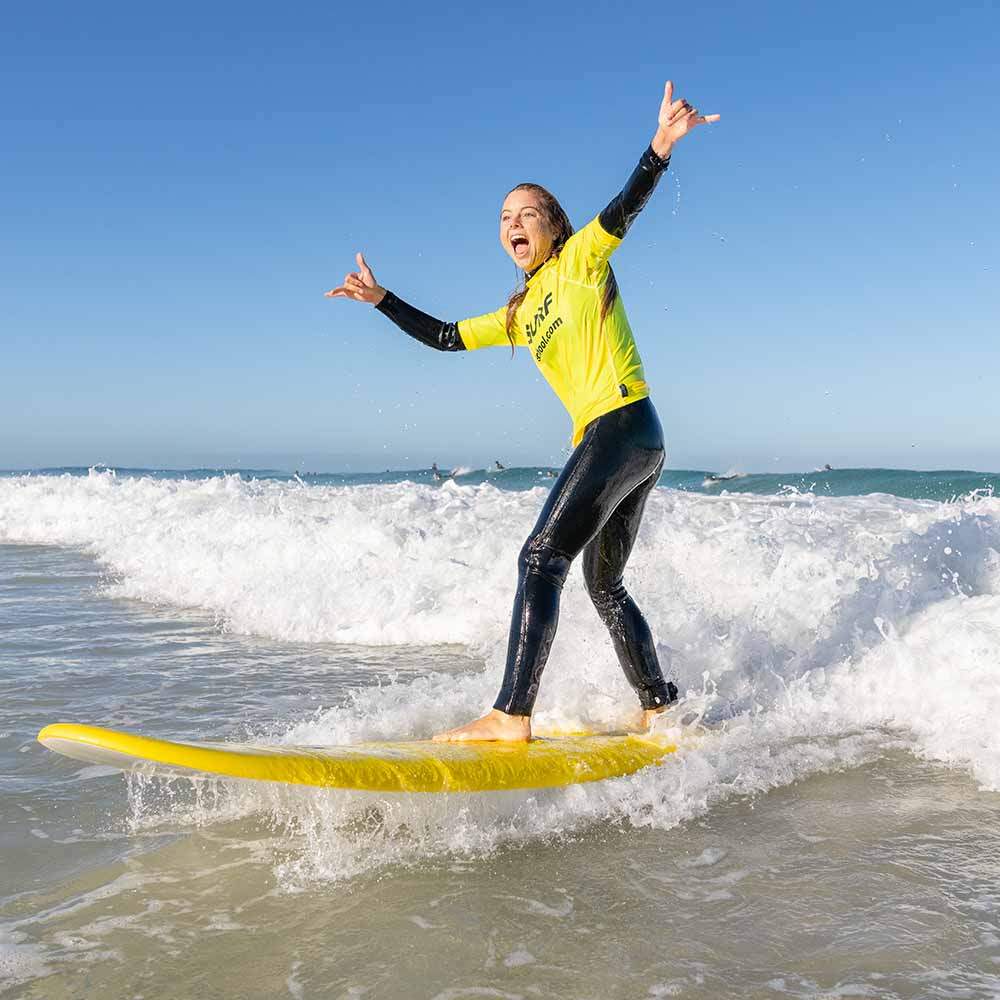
941, 485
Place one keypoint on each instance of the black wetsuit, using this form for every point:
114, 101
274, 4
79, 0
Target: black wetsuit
595, 507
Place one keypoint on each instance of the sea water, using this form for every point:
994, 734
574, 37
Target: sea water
831, 827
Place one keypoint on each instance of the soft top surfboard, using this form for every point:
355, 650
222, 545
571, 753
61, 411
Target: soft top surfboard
418, 766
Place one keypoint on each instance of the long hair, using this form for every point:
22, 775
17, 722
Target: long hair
562, 230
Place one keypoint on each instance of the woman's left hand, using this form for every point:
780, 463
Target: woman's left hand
675, 120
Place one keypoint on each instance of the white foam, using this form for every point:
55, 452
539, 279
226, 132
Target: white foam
362, 565
820, 630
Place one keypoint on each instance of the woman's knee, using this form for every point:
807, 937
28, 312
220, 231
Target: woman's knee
607, 593
540, 559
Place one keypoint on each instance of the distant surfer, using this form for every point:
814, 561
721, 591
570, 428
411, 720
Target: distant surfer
498, 466
570, 316
436, 472
713, 478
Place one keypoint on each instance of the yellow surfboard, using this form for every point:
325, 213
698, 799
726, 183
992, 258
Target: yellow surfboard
418, 766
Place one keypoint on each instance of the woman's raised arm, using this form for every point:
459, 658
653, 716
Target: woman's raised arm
675, 120
361, 286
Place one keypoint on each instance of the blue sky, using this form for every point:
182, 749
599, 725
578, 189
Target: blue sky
816, 280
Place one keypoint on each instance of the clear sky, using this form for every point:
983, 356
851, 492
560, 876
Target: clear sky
815, 280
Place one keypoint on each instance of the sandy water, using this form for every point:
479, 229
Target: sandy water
833, 830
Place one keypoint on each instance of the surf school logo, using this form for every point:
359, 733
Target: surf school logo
536, 322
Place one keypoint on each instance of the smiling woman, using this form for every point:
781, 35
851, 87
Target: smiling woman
570, 315
533, 227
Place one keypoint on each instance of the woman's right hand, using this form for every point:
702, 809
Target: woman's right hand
359, 285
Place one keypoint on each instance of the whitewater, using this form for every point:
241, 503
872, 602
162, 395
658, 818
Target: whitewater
838, 659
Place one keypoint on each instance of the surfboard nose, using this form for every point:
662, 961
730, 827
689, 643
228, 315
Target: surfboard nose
86, 743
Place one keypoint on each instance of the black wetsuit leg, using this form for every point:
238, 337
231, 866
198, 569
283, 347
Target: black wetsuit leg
617, 463
604, 562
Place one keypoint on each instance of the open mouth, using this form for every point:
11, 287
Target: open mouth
519, 244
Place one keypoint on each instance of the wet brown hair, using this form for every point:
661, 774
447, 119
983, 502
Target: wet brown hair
562, 229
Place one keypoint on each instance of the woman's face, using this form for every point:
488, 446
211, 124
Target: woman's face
524, 231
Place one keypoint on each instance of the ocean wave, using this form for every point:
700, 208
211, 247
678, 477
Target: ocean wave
812, 632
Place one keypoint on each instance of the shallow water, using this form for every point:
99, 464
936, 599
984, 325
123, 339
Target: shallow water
832, 830
898, 897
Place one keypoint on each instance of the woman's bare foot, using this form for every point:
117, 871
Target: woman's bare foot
649, 715
493, 726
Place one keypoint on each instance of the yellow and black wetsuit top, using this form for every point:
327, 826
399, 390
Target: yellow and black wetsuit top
592, 363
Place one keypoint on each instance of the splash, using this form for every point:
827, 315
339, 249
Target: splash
811, 633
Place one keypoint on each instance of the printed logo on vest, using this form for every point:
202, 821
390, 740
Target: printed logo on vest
532, 327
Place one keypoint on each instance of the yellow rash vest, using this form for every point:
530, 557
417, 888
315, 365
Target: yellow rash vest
593, 365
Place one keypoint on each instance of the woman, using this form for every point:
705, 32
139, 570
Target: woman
570, 316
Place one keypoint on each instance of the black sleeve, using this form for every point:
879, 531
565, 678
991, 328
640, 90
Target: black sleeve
428, 330
630, 201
